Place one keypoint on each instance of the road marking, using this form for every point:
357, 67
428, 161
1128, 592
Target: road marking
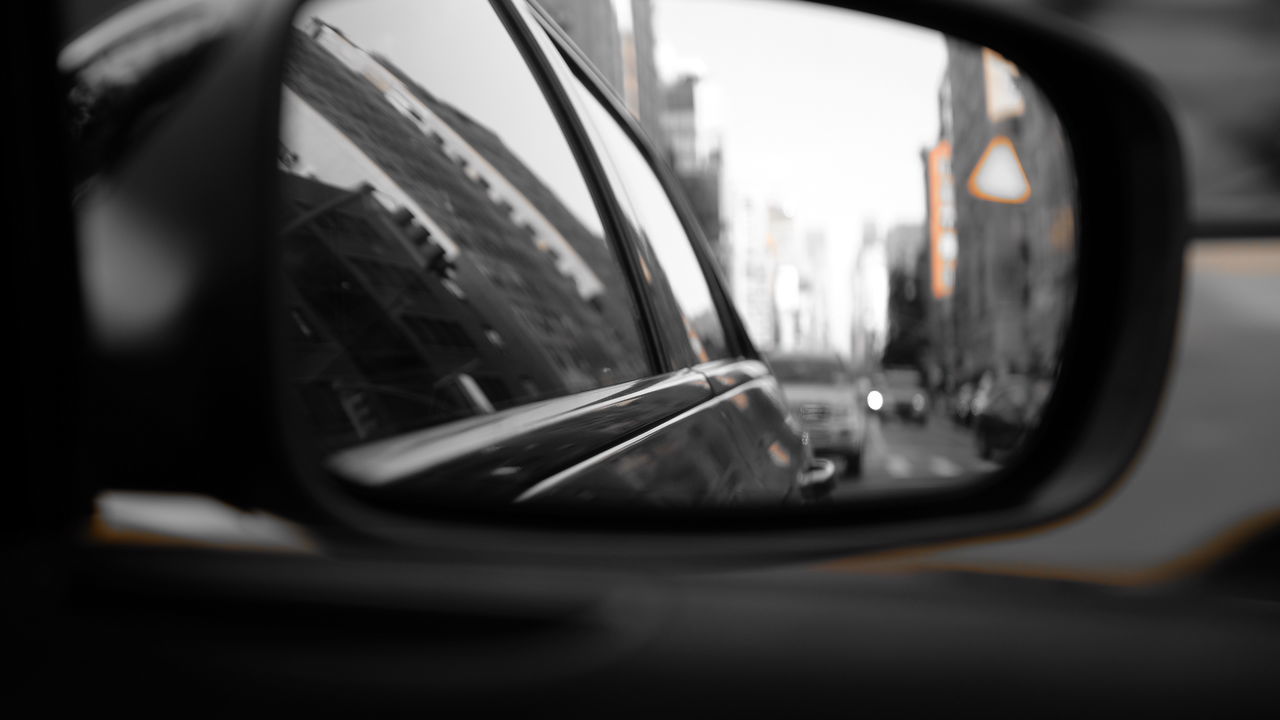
944, 467
898, 466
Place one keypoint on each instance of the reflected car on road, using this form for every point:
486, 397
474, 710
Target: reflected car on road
823, 396
902, 394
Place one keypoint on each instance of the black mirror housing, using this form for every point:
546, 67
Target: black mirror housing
194, 401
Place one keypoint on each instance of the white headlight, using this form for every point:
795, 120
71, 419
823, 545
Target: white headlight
875, 400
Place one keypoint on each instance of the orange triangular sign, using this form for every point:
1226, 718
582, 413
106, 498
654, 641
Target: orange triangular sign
999, 176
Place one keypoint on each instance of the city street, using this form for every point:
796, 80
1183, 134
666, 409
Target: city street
902, 454
1211, 462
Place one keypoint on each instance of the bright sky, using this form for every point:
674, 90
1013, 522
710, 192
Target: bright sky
821, 109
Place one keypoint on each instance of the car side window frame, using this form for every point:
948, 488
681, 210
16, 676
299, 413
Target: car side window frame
590, 165
740, 344
397, 474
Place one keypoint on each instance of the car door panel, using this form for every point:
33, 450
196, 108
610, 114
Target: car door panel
726, 451
495, 458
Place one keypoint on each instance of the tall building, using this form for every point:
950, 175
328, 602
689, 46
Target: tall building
907, 332
593, 25
680, 123
697, 163
752, 265
870, 298
800, 287
816, 292
617, 37
1002, 265
903, 243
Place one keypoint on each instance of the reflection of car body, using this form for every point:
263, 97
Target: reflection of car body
824, 397
904, 395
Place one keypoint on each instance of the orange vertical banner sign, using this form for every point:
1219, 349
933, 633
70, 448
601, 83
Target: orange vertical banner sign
943, 244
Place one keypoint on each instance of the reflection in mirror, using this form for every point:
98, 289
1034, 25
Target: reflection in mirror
445, 257
474, 310
896, 219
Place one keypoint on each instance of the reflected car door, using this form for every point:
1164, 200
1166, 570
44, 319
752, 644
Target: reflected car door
470, 323
699, 327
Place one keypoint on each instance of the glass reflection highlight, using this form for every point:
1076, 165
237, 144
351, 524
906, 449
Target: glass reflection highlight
435, 274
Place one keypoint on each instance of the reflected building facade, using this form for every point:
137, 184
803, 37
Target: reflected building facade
440, 278
751, 265
908, 336
1012, 280
619, 41
642, 88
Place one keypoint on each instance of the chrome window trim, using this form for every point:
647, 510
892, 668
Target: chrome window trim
386, 462
622, 447
740, 344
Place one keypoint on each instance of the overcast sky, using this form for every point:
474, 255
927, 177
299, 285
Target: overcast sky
824, 110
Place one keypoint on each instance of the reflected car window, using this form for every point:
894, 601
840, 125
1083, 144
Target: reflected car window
445, 256
671, 259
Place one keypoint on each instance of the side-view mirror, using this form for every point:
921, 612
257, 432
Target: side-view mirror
415, 278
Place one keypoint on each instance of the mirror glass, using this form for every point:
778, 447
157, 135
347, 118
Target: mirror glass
494, 294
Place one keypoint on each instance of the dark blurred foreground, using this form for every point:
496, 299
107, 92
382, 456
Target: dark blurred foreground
1218, 61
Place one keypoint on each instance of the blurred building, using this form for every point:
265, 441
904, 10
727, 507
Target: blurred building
907, 332
641, 86
750, 264
696, 160
1217, 62
870, 298
903, 243
1002, 268
817, 292
593, 25
784, 296
617, 37
680, 123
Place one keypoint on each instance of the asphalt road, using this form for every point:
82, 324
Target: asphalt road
1212, 462
900, 454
